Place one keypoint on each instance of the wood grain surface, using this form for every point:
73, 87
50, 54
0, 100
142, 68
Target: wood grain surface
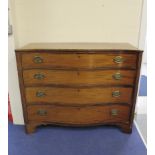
78, 46
79, 78
82, 115
78, 60
78, 95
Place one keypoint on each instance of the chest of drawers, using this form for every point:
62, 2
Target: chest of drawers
78, 84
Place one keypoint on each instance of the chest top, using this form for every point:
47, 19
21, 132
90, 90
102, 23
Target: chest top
78, 46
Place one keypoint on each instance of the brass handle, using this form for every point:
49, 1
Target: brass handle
41, 112
114, 112
117, 76
118, 59
116, 93
39, 76
37, 59
40, 94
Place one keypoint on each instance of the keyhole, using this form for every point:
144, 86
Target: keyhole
78, 90
79, 56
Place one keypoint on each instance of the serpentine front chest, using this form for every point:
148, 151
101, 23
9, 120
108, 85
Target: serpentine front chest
78, 84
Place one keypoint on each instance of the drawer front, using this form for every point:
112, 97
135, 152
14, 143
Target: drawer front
40, 60
78, 96
57, 77
78, 115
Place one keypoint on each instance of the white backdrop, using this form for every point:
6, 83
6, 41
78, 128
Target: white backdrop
69, 21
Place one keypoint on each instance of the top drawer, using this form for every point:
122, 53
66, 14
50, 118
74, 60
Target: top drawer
50, 60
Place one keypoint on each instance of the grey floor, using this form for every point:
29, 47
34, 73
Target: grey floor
141, 120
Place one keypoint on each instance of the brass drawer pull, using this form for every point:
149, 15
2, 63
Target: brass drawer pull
40, 94
42, 112
118, 59
114, 112
116, 93
37, 59
117, 76
39, 76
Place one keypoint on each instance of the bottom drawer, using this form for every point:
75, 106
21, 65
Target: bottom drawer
78, 115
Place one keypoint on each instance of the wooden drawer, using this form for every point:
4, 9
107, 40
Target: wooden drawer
78, 115
49, 60
98, 77
78, 96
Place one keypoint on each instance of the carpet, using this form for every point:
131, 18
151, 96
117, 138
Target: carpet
52, 140
143, 86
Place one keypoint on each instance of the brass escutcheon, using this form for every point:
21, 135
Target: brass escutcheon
118, 59
39, 76
40, 94
114, 112
117, 76
41, 112
116, 93
37, 59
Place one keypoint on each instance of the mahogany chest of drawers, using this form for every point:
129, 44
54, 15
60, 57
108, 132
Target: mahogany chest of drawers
78, 84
